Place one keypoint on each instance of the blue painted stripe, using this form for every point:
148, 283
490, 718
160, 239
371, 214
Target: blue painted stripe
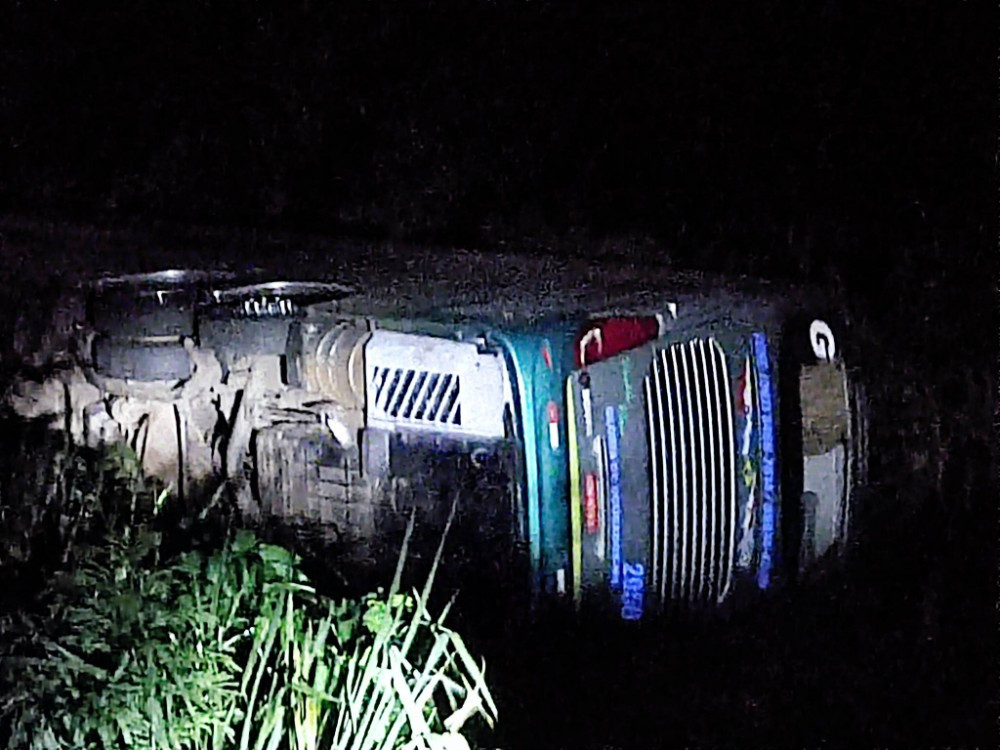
769, 460
615, 493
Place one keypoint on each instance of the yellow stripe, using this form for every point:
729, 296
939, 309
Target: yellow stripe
575, 513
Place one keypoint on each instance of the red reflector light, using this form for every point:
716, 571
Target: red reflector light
553, 413
590, 516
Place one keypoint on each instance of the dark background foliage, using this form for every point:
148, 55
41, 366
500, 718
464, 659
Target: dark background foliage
775, 128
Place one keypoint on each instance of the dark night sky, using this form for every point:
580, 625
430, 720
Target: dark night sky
774, 128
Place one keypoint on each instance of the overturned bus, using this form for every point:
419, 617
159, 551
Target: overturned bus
665, 442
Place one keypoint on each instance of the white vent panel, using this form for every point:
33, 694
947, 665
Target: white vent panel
434, 384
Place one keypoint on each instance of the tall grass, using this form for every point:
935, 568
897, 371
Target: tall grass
127, 647
56, 497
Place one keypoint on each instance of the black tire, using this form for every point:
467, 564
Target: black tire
142, 361
235, 337
125, 314
147, 305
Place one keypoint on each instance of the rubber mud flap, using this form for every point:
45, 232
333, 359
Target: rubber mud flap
142, 361
303, 478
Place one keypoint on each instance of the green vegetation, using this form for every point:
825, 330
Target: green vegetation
128, 645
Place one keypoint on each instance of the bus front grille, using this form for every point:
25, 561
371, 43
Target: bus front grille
693, 472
